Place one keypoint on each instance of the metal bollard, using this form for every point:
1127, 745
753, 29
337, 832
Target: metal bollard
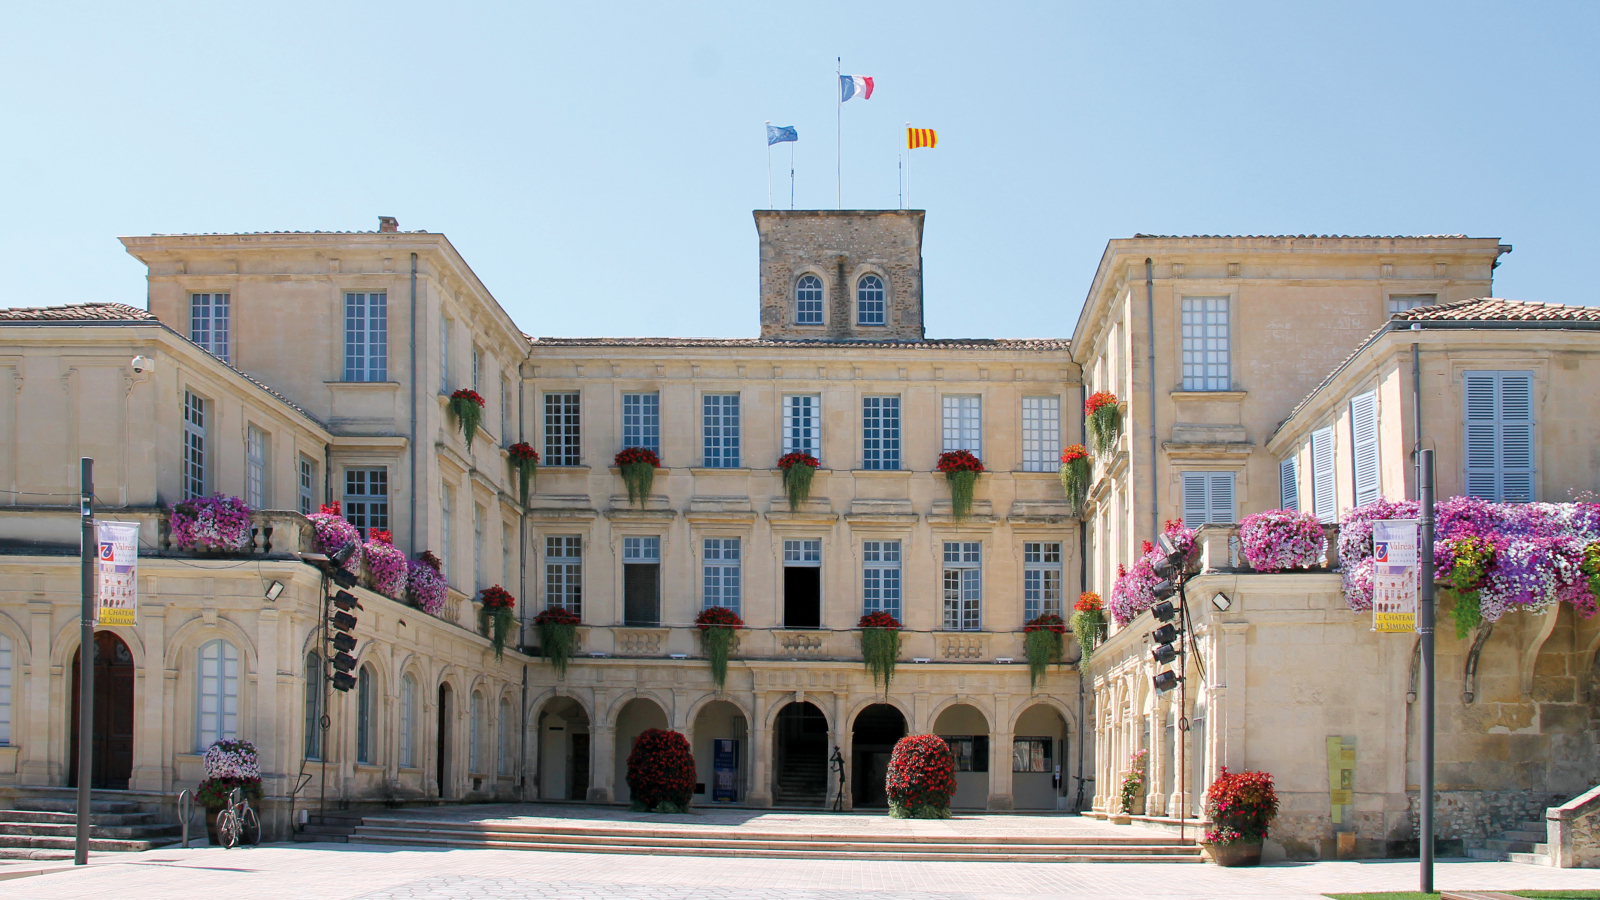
185, 813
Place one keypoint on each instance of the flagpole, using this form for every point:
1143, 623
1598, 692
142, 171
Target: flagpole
908, 165
900, 178
769, 166
838, 133
791, 173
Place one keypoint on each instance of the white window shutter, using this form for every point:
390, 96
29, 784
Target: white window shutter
1221, 498
1322, 496
1289, 483
1195, 506
1364, 447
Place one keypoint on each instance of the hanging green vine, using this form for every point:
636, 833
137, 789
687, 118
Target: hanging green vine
1104, 421
798, 470
638, 465
467, 407
961, 469
1042, 639
1076, 471
880, 645
717, 625
525, 461
558, 637
1088, 619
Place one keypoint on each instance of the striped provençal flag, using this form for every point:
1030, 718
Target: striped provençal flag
921, 137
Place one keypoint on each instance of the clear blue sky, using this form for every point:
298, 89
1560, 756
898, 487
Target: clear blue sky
597, 163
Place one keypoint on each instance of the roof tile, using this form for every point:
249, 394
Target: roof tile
1033, 344
1495, 309
77, 312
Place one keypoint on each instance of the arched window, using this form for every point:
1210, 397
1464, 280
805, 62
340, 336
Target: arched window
5, 690
408, 720
475, 757
869, 300
808, 300
364, 715
313, 706
506, 734
217, 716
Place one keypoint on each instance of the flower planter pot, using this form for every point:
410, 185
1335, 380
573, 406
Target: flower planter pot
250, 836
1237, 853
1121, 819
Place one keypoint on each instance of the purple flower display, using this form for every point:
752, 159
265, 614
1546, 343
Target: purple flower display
427, 586
1538, 559
211, 523
1280, 539
334, 534
387, 568
1134, 590
231, 759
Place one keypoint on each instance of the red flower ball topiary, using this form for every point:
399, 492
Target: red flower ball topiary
661, 772
922, 778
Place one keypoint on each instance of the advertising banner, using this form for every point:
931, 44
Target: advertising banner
116, 573
725, 771
1394, 575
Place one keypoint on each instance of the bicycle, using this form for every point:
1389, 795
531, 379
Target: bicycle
235, 818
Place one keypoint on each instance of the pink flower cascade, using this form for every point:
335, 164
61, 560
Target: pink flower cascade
334, 534
1134, 590
211, 523
426, 585
1280, 539
1538, 558
231, 759
387, 567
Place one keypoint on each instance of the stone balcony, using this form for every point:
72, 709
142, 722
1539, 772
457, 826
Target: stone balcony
1219, 549
807, 644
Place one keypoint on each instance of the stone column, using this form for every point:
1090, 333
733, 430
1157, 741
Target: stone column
35, 767
760, 754
1229, 697
602, 771
841, 740
274, 752
1000, 797
149, 721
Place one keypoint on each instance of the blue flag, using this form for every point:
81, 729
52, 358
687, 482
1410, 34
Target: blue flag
778, 134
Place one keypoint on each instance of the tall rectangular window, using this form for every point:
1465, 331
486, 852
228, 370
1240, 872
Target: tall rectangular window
508, 434
366, 337
313, 706
1364, 447
641, 421
1207, 498
255, 468
444, 355
1205, 344
307, 486
508, 546
478, 581
1399, 303
1499, 435
963, 424
720, 428
880, 577
366, 499
722, 573
217, 694
5, 690
209, 323
880, 433
641, 581
477, 368
563, 573
447, 505
963, 585
802, 424
194, 446
1289, 483
1041, 434
408, 720
561, 429
1323, 501
802, 583
507, 736
364, 716
1041, 579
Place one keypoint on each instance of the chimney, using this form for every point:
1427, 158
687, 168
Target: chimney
388, 225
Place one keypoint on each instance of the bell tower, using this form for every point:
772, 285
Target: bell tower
841, 275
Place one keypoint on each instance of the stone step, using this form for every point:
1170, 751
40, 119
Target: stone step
1485, 853
421, 839
49, 804
316, 828
1530, 836
700, 834
1532, 859
43, 842
1533, 826
1508, 846
19, 816
301, 837
109, 832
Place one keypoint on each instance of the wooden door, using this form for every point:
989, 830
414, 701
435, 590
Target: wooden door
578, 768
112, 741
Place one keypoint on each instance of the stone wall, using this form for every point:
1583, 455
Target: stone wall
840, 247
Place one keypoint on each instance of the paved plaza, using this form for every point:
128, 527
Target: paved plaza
349, 872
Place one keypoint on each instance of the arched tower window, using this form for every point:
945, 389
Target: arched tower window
869, 301
808, 300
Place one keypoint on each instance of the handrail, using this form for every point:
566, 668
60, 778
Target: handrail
185, 813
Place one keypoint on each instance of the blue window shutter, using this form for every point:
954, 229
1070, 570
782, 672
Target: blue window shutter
1516, 437
1322, 496
1364, 447
1195, 506
1289, 483
1499, 435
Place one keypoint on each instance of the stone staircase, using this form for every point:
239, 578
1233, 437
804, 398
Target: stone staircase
1524, 844
393, 830
325, 828
46, 828
802, 782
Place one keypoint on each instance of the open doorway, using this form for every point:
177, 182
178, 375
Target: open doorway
877, 729
801, 759
563, 750
442, 752
802, 583
112, 740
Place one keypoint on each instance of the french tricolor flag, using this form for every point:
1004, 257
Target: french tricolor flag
852, 86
